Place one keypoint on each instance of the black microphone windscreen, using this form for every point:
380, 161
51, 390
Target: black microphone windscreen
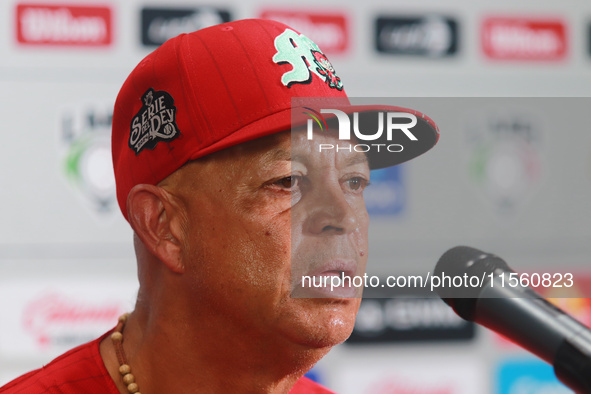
465, 262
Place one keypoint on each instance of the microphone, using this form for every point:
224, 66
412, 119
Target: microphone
503, 305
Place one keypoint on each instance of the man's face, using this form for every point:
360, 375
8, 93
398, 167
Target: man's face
259, 208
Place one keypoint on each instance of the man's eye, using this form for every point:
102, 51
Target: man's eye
288, 182
357, 183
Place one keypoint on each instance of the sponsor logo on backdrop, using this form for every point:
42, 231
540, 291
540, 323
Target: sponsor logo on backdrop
429, 35
524, 39
86, 144
58, 320
76, 25
161, 24
504, 157
47, 315
407, 318
528, 376
329, 31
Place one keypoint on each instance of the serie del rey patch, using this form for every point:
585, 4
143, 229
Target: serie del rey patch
154, 122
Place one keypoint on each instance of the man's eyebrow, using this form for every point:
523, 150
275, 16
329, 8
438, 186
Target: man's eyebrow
356, 159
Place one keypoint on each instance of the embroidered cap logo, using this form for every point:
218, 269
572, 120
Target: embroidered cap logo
306, 58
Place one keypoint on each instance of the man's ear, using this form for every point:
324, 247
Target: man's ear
156, 217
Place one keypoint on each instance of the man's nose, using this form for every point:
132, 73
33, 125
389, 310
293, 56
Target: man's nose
329, 211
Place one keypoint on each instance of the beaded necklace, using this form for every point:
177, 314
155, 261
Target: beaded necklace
124, 368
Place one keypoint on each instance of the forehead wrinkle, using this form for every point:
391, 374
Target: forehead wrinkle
273, 156
278, 154
346, 159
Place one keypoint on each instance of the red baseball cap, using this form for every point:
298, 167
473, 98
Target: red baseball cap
214, 88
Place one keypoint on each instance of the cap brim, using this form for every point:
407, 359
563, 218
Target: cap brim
425, 131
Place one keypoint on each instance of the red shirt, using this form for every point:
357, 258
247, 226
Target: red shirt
81, 370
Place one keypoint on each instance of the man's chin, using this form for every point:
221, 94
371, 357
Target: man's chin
327, 322
326, 340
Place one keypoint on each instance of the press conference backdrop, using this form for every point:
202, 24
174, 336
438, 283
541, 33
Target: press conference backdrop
511, 177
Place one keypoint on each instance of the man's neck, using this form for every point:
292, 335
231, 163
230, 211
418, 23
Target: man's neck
175, 356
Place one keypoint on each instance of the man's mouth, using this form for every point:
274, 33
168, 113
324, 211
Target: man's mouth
333, 273
336, 267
